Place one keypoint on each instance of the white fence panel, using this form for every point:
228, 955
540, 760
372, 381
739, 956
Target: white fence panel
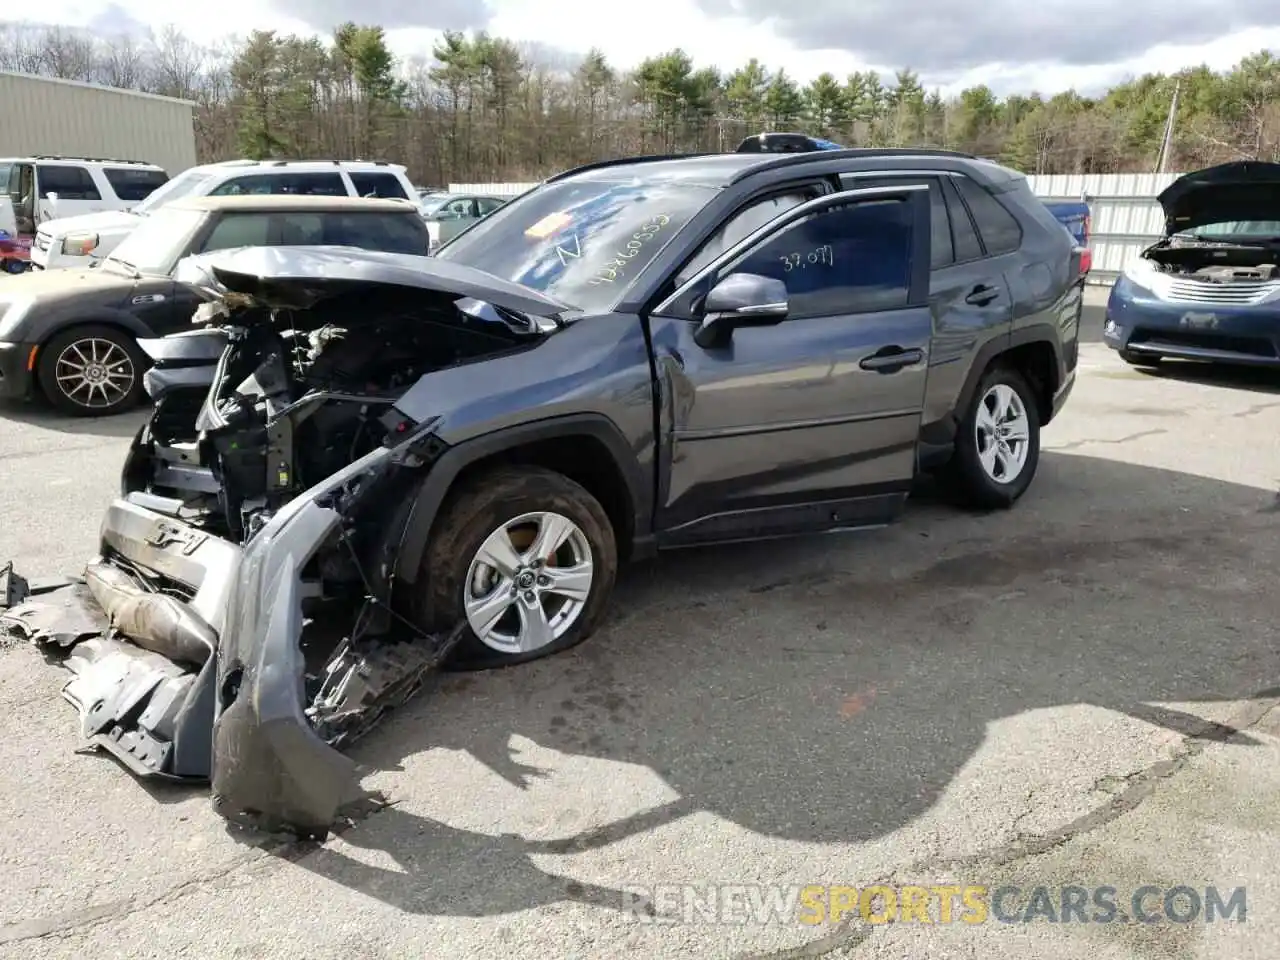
1125, 215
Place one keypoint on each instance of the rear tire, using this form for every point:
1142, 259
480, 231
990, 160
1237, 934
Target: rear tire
998, 443
532, 603
92, 371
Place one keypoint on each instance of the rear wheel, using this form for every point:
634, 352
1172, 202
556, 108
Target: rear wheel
92, 371
527, 557
998, 444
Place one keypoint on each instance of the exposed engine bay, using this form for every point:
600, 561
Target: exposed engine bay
1215, 263
297, 395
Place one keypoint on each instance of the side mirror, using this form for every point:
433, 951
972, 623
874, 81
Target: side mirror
741, 300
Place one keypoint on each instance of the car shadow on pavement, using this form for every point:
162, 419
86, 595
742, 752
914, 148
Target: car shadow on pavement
808, 691
37, 414
1255, 379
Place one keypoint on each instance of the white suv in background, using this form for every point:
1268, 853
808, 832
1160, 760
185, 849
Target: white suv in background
81, 241
41, 190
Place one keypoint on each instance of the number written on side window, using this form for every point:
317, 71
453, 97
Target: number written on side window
822, 256
852, 259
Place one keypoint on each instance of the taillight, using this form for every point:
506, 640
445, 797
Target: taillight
1088, 228
1086, 260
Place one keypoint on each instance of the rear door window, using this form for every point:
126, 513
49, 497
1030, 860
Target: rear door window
386, 186
298, 184
68, 182
997, 227
943, 250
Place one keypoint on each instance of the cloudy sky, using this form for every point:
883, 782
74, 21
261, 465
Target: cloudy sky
1012, 45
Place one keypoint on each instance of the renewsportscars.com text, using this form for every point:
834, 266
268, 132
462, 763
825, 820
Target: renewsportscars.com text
816, 904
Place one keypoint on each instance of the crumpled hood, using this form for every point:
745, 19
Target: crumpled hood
109, 221
1246, 190
300, 277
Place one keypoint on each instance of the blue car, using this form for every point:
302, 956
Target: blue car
1209, 290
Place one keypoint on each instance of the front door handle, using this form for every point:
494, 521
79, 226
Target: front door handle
981, 295
891, 359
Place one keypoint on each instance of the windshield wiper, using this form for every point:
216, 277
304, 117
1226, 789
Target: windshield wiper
128, 268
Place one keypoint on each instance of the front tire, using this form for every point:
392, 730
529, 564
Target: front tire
998, 445
92, 371
528, 558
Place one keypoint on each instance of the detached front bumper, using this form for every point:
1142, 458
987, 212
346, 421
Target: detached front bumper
239, 718
1138, 322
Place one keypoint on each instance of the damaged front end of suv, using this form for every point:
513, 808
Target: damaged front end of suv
237, 623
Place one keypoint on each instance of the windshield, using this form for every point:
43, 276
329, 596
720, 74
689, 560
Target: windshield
154, 245
583, 242
180, 186
433, 207
1237, 231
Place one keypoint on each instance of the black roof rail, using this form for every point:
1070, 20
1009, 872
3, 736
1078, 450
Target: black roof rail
777, 160
622, 161
52, 156
336, 163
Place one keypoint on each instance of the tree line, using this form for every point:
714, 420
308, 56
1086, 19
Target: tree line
482, 108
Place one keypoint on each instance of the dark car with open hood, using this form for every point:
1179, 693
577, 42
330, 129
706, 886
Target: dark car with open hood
1209, 289
72, 336
363, 465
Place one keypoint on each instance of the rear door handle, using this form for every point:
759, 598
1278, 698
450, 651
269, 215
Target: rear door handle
891, 358
981, 295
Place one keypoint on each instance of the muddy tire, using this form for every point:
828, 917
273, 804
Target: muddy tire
998, 443
92, 371
528, 557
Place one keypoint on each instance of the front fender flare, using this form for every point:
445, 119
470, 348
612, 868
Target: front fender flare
442, 473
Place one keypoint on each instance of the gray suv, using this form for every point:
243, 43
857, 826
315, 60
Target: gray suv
369, 464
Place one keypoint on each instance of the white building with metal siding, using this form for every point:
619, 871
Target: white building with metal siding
43, 116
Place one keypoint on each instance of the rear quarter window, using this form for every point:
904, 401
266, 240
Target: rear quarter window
385, 186
131, 184
998, 228
390, 233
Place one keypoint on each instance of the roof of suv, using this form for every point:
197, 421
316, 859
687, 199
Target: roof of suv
723, 169
308, 166
272, 203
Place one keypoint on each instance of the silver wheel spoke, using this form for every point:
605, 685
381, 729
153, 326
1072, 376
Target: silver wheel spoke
1018, 431
572, 582
484, 613
535, 629
499, 552
553, 531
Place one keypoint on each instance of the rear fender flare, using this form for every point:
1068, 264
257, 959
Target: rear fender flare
1036, 333
444, 471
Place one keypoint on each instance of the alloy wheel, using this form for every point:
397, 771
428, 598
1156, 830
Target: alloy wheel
94, 373
1003, 434
528, 583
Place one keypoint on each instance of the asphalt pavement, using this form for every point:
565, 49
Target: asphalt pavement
1078, 691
